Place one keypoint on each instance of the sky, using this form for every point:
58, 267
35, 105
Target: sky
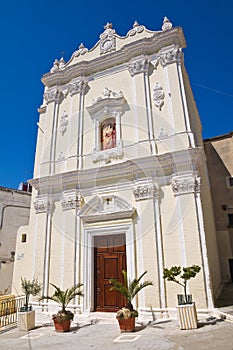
34, 33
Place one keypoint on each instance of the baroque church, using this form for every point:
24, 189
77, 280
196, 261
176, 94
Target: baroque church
120, 178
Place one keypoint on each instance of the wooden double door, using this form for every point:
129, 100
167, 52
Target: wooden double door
109, 261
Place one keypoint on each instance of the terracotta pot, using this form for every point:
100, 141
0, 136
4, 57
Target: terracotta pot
62, 326
127, 325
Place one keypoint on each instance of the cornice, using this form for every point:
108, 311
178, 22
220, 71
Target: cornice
132, 169
144, 46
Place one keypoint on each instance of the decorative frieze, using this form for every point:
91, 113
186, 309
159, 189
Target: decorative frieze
145, 190
158, 95
107, 39
185, 183
72, 199
43, 204
138, 66
170, 56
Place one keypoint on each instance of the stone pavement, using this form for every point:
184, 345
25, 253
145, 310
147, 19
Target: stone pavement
101, 331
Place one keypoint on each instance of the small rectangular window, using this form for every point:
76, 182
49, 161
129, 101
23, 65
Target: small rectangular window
24, 238
229, 181
230, 220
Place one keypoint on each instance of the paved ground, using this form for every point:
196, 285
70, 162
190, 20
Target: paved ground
103, 333
100, 331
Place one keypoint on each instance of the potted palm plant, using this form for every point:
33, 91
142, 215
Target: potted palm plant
186, 308
26, 316
129, 289
63, 317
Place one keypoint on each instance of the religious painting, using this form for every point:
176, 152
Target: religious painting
108, 134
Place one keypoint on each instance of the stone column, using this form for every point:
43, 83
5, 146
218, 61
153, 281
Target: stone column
73, 200
44, 204
190, 184
141, 65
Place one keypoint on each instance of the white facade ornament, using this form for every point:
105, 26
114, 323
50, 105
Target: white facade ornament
77, 87
166, 24
81, 50
158, 95
107, 39
170, 56
138, 66
162, 133
145, 190
136, 29
57, 65
107, 93
43, 204
185, 183
63, 123
72, 199
53, 95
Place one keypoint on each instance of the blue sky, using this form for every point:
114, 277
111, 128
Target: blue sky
34, 33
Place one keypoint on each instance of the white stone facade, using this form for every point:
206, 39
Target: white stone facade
146, 181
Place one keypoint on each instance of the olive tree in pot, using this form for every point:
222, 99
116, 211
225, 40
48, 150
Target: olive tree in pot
129, 289
186, 308
63, 318
26, 316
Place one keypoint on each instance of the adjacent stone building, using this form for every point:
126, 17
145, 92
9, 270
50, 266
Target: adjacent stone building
14, 214
120, 179
219, 152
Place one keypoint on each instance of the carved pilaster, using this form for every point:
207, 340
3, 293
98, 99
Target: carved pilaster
170, 56
187, 183
72, 199
145, 190
140, 65
43, 204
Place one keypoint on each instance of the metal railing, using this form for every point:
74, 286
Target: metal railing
9, 305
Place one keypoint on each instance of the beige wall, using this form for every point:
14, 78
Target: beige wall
220, 167
14, 212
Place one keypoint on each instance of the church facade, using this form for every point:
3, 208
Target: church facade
120, 178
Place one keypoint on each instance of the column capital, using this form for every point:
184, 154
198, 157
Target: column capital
78, 87
44, 204
185, 183
171, 55
145, 190
139, 65
72, 199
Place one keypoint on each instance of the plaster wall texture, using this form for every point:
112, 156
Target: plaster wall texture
151, 177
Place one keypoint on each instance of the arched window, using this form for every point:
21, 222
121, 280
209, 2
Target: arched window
108, 134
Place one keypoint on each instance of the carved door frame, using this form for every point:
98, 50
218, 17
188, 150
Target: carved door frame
88, 261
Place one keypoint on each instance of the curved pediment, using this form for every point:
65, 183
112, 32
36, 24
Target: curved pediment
106, 208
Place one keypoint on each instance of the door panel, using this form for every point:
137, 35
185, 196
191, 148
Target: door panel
110, 260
